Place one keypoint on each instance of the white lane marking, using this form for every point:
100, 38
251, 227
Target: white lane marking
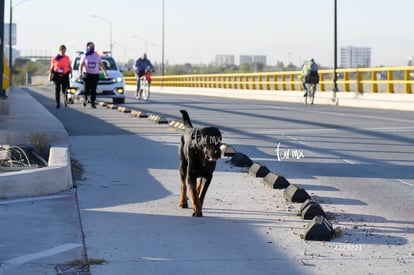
34, 199
342, 114
327, 130
348, 161
155, 259
405, 182
49, 252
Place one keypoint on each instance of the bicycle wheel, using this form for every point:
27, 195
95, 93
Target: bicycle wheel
145, 90
138, 94
307, 91
312, 93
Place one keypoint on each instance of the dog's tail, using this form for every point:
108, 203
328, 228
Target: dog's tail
186, 119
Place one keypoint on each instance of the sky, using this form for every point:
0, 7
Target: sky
195, 31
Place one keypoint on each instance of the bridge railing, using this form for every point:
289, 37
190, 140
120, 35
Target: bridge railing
374, 80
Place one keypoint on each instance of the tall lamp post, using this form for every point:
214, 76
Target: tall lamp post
335, 85
110, 29
2, 93
10, 37
162, 51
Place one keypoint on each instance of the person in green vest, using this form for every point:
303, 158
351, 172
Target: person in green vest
309, 74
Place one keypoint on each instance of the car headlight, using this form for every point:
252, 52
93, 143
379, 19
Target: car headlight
119, 79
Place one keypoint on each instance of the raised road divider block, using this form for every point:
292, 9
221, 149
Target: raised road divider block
258, 170
241, 160
227, 150
275, 181
295, 193
158, 119
137, 113
310, 209
123, 109
319, 229
176, 125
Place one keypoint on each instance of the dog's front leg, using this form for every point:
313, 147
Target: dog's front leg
192, 182
197, 212
183, 200
200, 185
204, 189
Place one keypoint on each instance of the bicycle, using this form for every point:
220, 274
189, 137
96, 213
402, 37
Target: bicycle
311, 82
310, 93
144, 90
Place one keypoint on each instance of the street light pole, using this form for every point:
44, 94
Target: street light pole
162, 54
10, 42
10, 38
2, 93
110, 29
335, 86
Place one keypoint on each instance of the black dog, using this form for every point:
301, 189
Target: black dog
198, 152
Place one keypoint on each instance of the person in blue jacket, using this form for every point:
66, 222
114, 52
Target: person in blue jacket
142, 64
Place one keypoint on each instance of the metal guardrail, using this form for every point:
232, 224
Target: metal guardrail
374, 80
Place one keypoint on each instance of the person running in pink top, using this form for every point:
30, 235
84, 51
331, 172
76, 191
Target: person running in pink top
60, 70
89, 66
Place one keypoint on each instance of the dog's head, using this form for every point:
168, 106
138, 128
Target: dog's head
208, 140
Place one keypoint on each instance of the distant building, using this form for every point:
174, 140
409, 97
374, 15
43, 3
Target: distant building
252, 59
259, 59
353, 57
246, 59
223, 60
410, 61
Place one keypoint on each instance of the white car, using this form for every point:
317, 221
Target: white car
111, 87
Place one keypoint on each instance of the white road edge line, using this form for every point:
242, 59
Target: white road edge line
49, 252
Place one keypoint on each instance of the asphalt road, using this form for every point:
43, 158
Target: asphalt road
357, 162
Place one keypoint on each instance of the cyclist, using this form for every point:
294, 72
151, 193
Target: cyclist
310, 74
140, 66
